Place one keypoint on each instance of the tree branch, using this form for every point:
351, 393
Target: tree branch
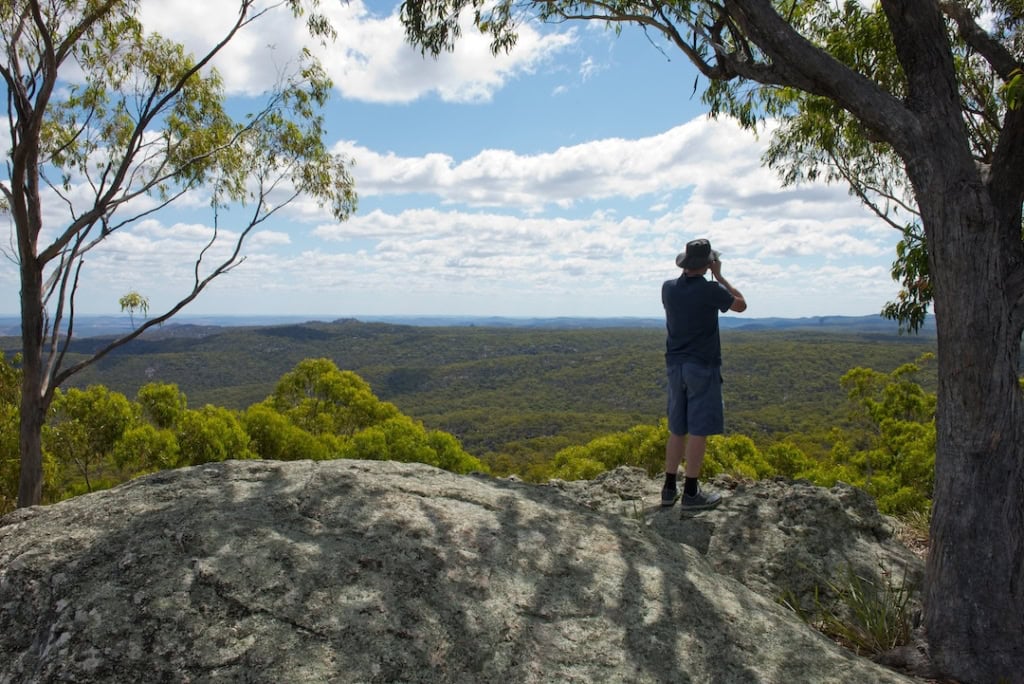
800, 64
1007, 174
154, 107
55, 361
199, 284
1000, 59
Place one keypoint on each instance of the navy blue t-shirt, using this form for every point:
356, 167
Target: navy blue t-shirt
691, 317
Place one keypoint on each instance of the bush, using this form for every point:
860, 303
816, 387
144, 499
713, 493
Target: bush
211, 434
273, 437
403, 439
735, 455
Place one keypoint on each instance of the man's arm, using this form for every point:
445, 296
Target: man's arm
739, 304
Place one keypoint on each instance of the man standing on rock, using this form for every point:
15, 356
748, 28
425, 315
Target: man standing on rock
693, 357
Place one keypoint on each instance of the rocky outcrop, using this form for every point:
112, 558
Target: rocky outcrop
356, 571
782, 539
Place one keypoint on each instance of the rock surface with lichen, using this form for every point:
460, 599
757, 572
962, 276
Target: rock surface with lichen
359, 571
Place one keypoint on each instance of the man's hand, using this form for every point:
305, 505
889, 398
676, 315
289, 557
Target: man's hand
716, 268
739, 304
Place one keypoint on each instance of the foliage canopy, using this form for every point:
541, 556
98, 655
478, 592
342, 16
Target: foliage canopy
109, 124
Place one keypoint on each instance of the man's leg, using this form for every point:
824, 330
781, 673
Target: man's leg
674, 450
695, 447
693, 497
705, 418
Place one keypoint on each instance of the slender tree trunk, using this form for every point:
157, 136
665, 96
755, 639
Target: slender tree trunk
974, 598
30, 485
34, 398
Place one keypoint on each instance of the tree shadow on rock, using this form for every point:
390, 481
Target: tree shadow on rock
358, 571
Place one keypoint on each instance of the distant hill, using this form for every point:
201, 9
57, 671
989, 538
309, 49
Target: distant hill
516, 388
198, 326
848, 324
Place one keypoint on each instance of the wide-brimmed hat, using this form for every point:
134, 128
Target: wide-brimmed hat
698, 254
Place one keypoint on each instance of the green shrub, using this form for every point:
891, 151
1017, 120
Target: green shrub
273, 437
145, 449
735, 455
787, 459
211, 434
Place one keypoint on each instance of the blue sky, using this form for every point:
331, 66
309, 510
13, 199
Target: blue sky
559, 180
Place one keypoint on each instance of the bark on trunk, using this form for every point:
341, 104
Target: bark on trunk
974, 593
34, 397
974, 596
30, 483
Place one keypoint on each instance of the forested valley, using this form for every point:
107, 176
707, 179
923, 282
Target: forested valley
536, 403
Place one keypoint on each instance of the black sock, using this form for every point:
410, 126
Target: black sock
670, 480
690, 487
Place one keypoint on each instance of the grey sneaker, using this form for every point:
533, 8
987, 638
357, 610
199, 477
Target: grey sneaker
700, 501
669, 496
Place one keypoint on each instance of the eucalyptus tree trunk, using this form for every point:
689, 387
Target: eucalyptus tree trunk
974, 594
971, 214
34, 399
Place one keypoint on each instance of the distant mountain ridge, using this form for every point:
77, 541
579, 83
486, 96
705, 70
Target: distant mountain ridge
198, 326
520, 391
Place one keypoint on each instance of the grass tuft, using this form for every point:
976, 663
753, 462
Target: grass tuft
866, 618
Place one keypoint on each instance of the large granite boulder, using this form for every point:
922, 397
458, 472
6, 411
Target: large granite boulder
356, 571
787, 540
